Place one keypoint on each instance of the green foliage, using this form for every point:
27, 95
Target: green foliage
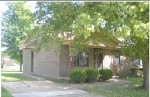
16, 22
92, 75
88, 20
78, 75
140, 72
105, 74
133, 72
136, 72
94, 23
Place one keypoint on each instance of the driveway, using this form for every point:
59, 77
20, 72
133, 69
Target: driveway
44, 88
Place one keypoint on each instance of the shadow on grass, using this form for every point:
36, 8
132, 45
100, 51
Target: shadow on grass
136, 81
63, 81
117, 91
132, 89
13, 76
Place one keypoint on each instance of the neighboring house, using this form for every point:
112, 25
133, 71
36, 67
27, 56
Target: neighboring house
46, 63
6, 62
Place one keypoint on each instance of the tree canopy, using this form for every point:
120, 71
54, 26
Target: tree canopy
84, 20
16, 21
87, 21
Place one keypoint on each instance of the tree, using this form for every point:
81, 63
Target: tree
87, 20
16, 21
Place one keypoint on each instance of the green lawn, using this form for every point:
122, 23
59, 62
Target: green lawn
136, 81
122, 90
4, 93
11, 76
61, 81
8, 76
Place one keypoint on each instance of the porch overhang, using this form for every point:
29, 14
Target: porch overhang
28, 43
100, 45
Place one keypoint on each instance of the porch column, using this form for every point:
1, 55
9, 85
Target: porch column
103, 55
27, 61
70, 54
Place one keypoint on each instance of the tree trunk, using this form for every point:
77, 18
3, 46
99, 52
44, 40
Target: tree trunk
146, 74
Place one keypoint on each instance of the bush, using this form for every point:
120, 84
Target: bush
78, 75
140, 72
136, 72
92, 75
105, 74
133, 72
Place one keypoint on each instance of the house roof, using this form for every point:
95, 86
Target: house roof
106, 41
113, 43
29, 42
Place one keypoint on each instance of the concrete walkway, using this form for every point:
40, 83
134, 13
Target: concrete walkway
44, 88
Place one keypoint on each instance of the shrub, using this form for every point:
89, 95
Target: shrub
78, 75
105, 74
140, 72
133, 72
92, 75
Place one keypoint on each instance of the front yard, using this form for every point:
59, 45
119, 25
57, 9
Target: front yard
121, 90
4, 93
132, 89
11, 76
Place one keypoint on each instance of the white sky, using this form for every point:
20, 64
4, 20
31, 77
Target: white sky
3, 8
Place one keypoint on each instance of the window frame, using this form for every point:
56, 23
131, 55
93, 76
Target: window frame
79, 58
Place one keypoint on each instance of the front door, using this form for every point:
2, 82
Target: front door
98, 61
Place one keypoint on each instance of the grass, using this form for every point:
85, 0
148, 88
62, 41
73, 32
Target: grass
122, 90
62, 81
8, 76
4, 93
11, 76
136, 81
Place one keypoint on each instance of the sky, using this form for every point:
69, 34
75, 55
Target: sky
3, 8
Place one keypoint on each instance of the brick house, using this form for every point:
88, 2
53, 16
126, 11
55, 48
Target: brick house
46, 63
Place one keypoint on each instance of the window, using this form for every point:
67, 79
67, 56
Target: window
119, 59
81, 59
116, 58
136, 61
122, 59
